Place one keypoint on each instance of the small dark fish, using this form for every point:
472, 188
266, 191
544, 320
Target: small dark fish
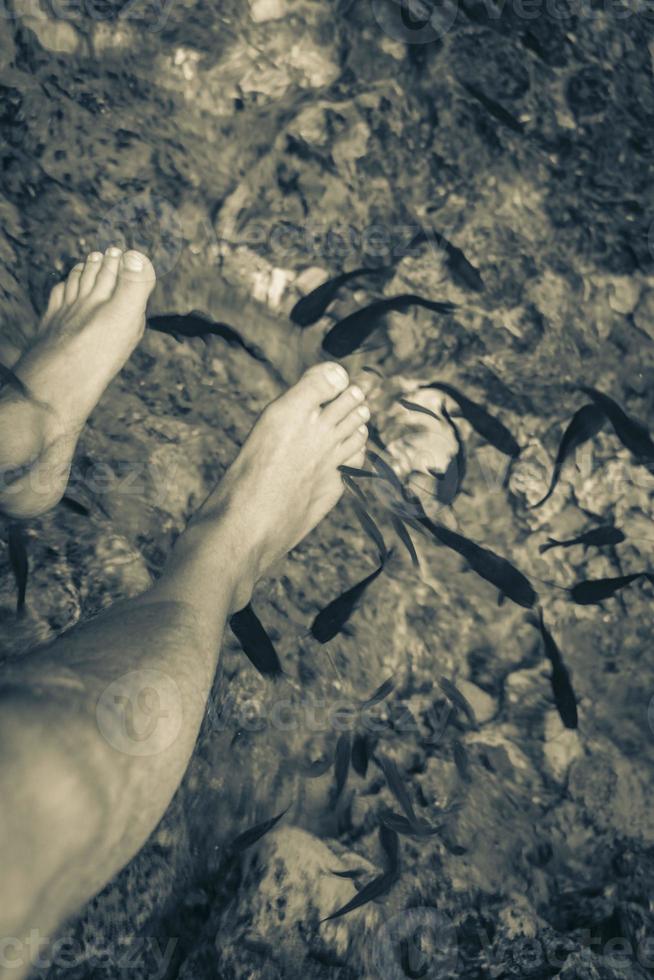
360, 754
398, 823
487, 425
597, 537
374, 889
196, 324
386, 471
447, 483
353, 488
631, 433
382, 692
311, 307
460, 460
259, 946
251, 836
461, 761
352, 874
497, 570
458, 700
372, 370
462, 271
409, 512
335, 615
390, 845
371, 529
584, 424
405, 538
495, 109
349, 334
375, 435
342, 763
397, 787
453, 847
402, 825
596, 590
564, 696
19, 563
356, 472
76, 506
395, 821
318, 768
414, 407
9, 379
257, 645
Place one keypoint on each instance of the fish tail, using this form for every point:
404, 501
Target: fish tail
551, 543
550, 585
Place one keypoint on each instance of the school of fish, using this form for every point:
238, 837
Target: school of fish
357, 749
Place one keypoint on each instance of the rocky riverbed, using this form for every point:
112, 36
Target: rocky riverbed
254, 150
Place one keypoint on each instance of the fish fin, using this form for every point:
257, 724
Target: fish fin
405, 538
18, 557
507, 474
500, 598
370, 528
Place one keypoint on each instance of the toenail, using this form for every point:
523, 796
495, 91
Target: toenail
133, 261
337, 375
113, 251
364, 411
94, 256
357, 394
363, 430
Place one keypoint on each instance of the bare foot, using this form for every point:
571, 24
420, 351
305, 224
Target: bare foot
93, 322
286, 478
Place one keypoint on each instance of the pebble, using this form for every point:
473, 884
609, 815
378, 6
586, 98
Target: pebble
483, 705
264, 10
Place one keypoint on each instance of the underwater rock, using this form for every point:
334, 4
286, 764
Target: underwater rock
58, 36
615, 791
287, 888
483, 704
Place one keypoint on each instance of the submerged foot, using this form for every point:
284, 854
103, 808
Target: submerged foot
286, 477
93, 322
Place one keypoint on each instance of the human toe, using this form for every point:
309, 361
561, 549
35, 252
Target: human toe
55, 302
89, 274
341, 407
358, 459
358, 416
352, 445
135, 280
71, 287
320, 384
105, 281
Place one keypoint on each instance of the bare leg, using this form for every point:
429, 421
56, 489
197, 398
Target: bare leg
93, 322
86, 786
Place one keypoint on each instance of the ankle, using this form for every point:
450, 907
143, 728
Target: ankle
38, 486
212, 552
